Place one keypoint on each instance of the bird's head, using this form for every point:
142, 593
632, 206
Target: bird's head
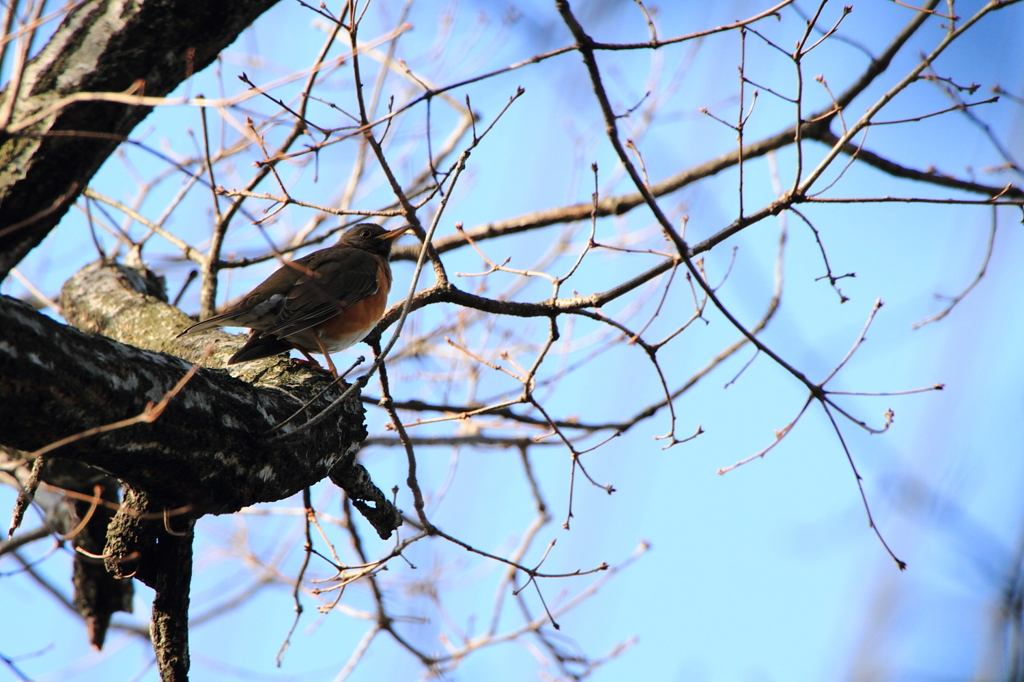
372, 237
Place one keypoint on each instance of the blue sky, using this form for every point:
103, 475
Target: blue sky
767, 573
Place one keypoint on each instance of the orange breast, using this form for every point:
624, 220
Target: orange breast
355, 322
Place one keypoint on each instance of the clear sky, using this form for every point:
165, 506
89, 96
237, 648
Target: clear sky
769, 572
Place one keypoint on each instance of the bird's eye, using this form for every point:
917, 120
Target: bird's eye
365, 233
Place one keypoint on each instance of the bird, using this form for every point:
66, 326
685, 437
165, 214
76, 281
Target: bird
321, 303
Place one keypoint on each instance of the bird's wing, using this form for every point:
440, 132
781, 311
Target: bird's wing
262, 303
328, 287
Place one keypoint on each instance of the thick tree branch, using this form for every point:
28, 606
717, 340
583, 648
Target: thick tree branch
209, 449
101, 46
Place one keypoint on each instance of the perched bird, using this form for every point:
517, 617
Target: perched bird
321, 303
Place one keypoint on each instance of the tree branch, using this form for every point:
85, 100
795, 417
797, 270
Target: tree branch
209, 449
101, 46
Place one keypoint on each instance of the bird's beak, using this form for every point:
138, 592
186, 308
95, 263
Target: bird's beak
392, 235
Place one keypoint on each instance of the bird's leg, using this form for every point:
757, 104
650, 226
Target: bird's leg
309, 358
327, 356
